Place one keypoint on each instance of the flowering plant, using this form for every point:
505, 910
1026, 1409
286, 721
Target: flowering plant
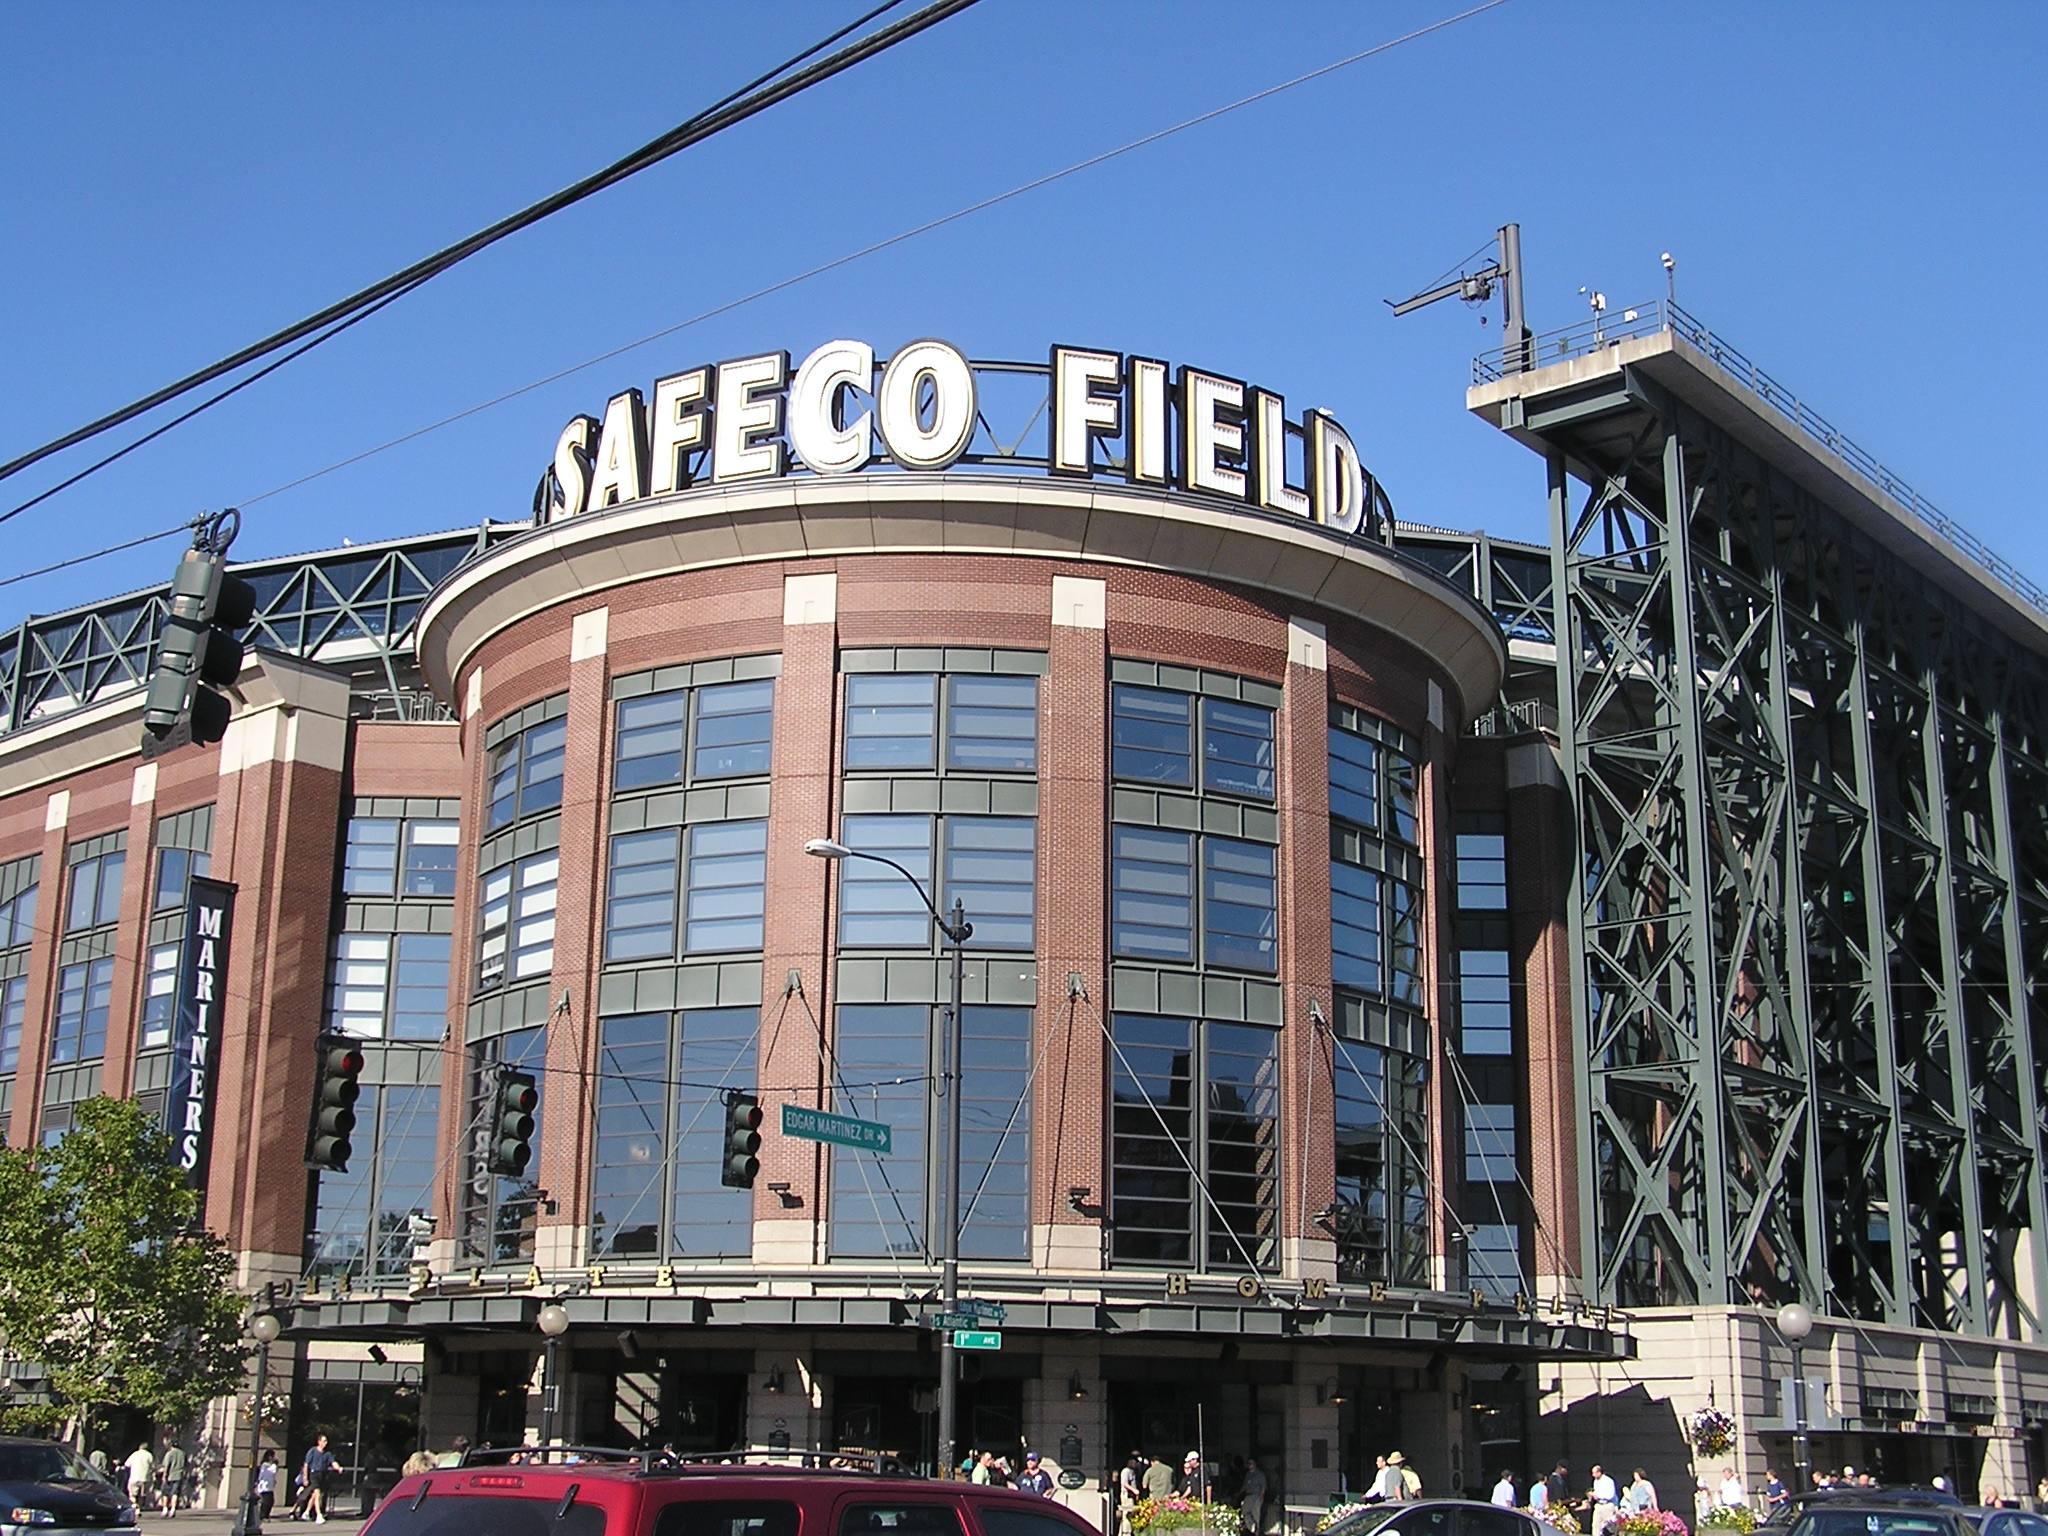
1558, 1518
1650, 1522
1710, 1431
277, 1408
1730, 1517
1340, 1512
1177, 1512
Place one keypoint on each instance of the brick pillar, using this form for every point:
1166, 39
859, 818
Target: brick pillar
273, 836
1542, 865
26, 1118
1069, 1148
795, 939
131, 944
569, 1092
1308, 1152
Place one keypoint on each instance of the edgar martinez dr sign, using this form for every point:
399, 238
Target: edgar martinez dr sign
742, 420
195, 1032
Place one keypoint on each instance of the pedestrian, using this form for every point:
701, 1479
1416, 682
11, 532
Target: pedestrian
2041, 1494
983, 1472
1504, 1490
1376, 1490
1252, 1496
1130, 1487
1539, 1493
1733, 1494
141, 1468
100, 1463
1702, 1502
1601, 1497
1640, 1496
1559, 1486
1989, 1497
1158, 1480
314, 1472
172, 1477
452, 1457
266, 1486
1392, 1485
420, 1461
1191, 1483
1035, 1478
1776, 1495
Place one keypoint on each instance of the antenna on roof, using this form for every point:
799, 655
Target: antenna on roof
1477, 287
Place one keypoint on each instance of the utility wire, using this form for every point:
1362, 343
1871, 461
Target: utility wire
112, 549
882, 245
750, 99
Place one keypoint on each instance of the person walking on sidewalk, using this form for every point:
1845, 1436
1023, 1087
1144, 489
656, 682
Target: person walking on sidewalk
141, 1467
266, 1486
173, 1477
314, 1472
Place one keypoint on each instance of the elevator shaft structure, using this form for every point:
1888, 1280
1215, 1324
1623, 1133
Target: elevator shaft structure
1804, 728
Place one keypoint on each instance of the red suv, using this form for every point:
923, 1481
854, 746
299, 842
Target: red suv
492, 1495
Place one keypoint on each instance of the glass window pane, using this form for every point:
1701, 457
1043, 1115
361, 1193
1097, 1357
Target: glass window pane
419, 997
369, 865
1493, 1262
878, 1199
1152, 1140
992, 724
159, 995
1152, 893
1485, 1012
540, 771
995, 1133
173, 870
1401, 797
430, 850
13, 1015
877, 906
1243, 1145
1355, 926
891, 721
1237, 748
1482, 872
533, 916
1404, 943
1490, 1143
404, 1152
640, 896
632, 1131
734, 722
18, 919
650, 740
1354, 778
109, 907
992, 867
503, 783
717, 1050
727, 886
1152, 735
360, 990
1239, 905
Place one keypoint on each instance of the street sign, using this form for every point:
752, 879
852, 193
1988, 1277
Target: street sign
987, 1311
948, 1321
840, 1130
968, 1338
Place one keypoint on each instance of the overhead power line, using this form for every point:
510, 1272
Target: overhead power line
758, 95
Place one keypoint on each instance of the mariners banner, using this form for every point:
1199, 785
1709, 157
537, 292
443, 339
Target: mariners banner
196, 1031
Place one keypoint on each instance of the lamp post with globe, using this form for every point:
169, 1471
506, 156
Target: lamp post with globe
553, 1322
1795, 1323
264, 1328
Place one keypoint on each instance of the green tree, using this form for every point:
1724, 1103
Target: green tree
106, 1278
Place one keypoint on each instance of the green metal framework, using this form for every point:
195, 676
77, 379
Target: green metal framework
1811, 791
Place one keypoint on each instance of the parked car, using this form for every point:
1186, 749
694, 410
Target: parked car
44, 1484
1909, 1512
1441, 1517
1880, 1498
606, 1494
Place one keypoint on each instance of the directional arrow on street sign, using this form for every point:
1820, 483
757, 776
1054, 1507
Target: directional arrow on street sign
973, 1339
840, 1130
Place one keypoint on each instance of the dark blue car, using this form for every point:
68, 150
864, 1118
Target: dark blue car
44, 1486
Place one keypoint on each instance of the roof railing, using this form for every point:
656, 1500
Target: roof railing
1609, 330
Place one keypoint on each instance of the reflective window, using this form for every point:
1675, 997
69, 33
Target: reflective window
84, 994
95, 892
1482, 872
1380, 1215
419, 999
728, 1517
1242, 1144
1404, 943
175, 868
500, 1215
390, 986
373, 1220
878, 907
1490, 1143
992, 868
13, 1014
430, 850
652, 732
1152, 735
1401, 797
878, 1198
1493, 1261
733, 723
1485, 1015
900, 1520
1237, 748
992, 723
1240, 904
18, 918
1354, 778
525, 772
727, 886
369, 863
159, 995
995, 1133
1152, 1135
892, 721
517, 927
1152, 893
640, 896
1355, 926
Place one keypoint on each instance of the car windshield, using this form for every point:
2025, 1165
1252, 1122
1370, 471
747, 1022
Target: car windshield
1871, 1522
1365, 1520
44, 1464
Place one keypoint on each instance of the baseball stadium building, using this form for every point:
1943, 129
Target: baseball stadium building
1385, 1025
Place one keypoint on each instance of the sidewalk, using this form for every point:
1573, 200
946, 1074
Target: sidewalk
215, 1522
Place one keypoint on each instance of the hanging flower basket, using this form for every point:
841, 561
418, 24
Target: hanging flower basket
1558, 1518
277, 1409
1177, 1513
1710, 1432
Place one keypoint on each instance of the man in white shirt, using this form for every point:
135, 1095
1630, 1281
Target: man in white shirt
1504, 1490
1389, 1484
141, 1468
1602, 1496
1733, 1494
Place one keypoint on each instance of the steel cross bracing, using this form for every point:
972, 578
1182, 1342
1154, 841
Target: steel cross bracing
349, 606
1810, 933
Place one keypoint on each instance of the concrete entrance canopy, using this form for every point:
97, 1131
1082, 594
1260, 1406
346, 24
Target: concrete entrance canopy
959, 514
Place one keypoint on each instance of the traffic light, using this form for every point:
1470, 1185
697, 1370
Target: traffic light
512, 1123
336, 1085
198, 646
742, 1141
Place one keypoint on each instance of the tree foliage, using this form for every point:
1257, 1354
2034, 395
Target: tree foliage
106, 1279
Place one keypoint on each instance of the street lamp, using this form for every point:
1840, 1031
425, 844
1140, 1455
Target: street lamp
1795, 1322
264, 1329
554, 1322
957, 933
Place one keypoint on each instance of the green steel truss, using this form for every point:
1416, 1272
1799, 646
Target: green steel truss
1811, 933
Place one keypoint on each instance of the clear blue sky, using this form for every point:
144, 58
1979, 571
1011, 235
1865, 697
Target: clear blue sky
1853, 192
